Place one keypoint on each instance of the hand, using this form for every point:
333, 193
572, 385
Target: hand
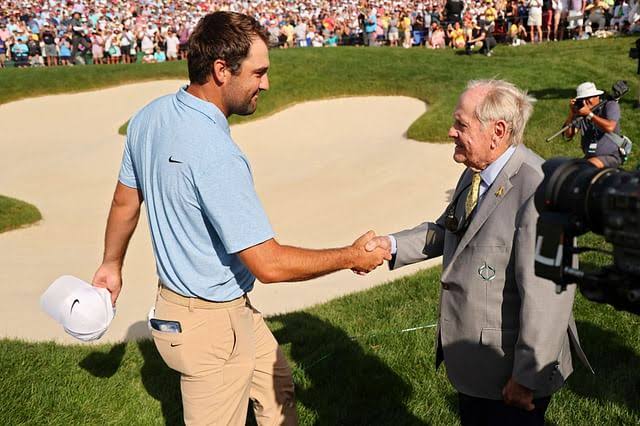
584, 111
381, 241
516, 395
368, 260
572, 109
109, 276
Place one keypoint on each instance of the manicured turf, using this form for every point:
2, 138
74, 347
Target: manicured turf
550, 72
382, 376
15, 214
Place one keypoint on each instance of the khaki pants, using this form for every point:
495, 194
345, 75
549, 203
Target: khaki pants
226, 355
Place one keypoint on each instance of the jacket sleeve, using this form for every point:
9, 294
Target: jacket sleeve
544, 315
423, 242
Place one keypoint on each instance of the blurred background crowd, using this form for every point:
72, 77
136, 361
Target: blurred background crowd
59, 32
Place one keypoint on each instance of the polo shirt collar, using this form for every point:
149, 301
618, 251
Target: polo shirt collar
207, 108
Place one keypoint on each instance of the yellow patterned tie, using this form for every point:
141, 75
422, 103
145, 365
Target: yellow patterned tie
472, 196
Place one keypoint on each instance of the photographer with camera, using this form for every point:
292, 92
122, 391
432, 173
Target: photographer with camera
599, 126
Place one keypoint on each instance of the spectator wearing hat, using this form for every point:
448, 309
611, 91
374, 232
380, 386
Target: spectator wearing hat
598, 125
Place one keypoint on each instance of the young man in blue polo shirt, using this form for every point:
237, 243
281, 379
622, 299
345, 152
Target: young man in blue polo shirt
211, 236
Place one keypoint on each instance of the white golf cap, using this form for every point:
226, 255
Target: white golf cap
587, 90
84, 311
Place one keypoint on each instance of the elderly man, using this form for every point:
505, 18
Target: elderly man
503, 333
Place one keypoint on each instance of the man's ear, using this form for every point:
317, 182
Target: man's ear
500, 130
220, 71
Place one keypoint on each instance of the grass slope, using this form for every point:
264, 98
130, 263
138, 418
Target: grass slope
550, 72
381, 377
16, 214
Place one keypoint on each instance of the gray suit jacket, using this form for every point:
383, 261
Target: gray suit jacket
496, 318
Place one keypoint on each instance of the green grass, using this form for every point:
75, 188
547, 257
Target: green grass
382, 377
16, 214
550, 72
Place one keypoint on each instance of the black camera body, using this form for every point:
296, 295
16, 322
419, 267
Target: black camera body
578, 104
575, 197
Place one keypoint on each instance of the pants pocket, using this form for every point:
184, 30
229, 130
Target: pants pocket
174, 347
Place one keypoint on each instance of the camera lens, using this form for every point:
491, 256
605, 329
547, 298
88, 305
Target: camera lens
577, 188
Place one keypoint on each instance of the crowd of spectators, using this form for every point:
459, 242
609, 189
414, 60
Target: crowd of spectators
72, 32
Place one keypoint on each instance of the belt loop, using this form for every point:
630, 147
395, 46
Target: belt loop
191, 300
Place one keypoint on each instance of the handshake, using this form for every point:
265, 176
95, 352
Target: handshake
368, 252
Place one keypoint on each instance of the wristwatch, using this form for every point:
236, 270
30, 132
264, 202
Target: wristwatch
590, 116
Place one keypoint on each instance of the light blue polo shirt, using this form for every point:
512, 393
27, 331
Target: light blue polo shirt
199, 194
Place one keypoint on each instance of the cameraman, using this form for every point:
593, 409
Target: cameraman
596, 126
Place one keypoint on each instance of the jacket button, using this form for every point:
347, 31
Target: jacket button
445, 286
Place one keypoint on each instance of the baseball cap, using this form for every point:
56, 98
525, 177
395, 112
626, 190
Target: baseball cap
587, 90
84, 311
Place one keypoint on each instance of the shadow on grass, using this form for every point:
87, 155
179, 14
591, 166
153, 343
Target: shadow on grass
554, 93
617, 377
160, 382
339, 380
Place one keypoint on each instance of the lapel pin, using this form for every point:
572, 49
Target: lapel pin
500, 192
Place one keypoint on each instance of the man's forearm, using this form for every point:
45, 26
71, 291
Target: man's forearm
299, 264
271, 262
121, 223
604, 124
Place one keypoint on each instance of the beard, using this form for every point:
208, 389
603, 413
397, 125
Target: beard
246, 106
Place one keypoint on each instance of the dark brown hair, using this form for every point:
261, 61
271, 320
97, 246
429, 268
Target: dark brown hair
221, 35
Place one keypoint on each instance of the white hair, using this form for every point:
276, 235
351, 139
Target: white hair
503, 101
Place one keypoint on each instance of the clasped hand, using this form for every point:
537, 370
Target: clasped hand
369, 253
371, 248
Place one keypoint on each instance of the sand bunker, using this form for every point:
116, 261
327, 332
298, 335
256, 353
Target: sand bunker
326, 171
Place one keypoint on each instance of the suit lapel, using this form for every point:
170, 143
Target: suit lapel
465, 181
492, 198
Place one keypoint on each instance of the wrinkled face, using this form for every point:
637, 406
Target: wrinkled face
241, 95
473, 142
